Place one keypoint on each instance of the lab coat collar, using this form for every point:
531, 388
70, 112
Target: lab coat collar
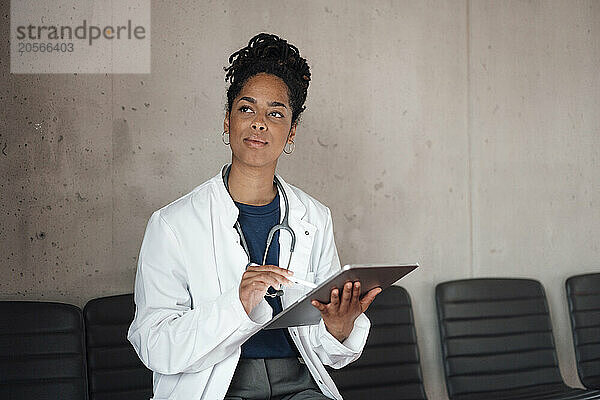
297, 208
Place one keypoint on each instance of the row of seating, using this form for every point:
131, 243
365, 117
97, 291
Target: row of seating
496, 337
497, 343
52, 351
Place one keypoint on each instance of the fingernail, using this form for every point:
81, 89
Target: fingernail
290, 272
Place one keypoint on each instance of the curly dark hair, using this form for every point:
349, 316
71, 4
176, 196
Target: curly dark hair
271, 54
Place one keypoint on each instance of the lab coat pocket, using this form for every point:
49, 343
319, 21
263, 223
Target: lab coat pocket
310, 277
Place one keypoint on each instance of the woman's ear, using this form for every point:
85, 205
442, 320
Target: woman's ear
226, 122
292, 133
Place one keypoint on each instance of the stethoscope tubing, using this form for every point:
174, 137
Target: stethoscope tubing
284, 225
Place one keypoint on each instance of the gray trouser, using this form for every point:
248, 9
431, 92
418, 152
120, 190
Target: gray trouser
274, 379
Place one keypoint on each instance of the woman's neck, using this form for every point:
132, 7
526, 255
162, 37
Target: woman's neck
252, 185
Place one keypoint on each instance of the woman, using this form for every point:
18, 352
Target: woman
204, 285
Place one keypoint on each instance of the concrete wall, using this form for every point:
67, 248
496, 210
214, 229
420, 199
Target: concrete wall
461, 134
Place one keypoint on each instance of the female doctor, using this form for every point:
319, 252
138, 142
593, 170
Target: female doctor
204, 285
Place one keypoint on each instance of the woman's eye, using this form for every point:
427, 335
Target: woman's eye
244, 108
278, 114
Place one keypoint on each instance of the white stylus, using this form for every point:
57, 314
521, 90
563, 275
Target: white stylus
293, 279
302, 282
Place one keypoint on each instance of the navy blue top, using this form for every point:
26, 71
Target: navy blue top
256, 222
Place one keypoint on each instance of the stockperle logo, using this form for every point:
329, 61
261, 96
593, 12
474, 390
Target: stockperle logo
80, 36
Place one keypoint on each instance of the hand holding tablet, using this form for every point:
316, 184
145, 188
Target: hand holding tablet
344, 308
370, 276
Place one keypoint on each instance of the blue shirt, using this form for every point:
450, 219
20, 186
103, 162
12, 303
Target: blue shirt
256, 222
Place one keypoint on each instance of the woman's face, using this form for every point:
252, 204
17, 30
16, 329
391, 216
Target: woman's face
260, 120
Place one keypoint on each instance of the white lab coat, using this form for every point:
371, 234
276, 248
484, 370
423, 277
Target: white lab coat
189, 321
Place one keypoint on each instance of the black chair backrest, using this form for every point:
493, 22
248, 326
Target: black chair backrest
115, 372
583, 293
496, 336
42, 351
389, 366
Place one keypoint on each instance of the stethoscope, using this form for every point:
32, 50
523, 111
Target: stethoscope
283, 225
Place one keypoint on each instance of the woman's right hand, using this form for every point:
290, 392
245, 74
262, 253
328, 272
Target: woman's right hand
257, 279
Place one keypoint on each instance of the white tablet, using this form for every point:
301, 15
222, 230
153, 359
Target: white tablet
302, 312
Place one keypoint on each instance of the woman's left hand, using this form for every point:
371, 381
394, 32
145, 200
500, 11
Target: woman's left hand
339, 314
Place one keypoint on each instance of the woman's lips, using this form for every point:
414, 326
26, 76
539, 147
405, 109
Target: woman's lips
255, 143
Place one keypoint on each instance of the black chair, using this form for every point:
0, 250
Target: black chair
497, 341
115, 372
42, 351
389, 366
583, 293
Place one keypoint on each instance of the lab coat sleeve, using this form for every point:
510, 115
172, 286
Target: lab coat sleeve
329, 350
168, 335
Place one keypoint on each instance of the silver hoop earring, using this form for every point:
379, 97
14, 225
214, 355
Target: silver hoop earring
223, 138
292, 146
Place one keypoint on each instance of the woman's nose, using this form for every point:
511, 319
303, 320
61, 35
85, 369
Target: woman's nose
259, 125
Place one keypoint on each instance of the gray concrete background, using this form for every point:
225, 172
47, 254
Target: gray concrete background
461, 134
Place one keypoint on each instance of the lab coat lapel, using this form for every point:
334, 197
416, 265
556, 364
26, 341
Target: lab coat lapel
304, 232
230, 257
